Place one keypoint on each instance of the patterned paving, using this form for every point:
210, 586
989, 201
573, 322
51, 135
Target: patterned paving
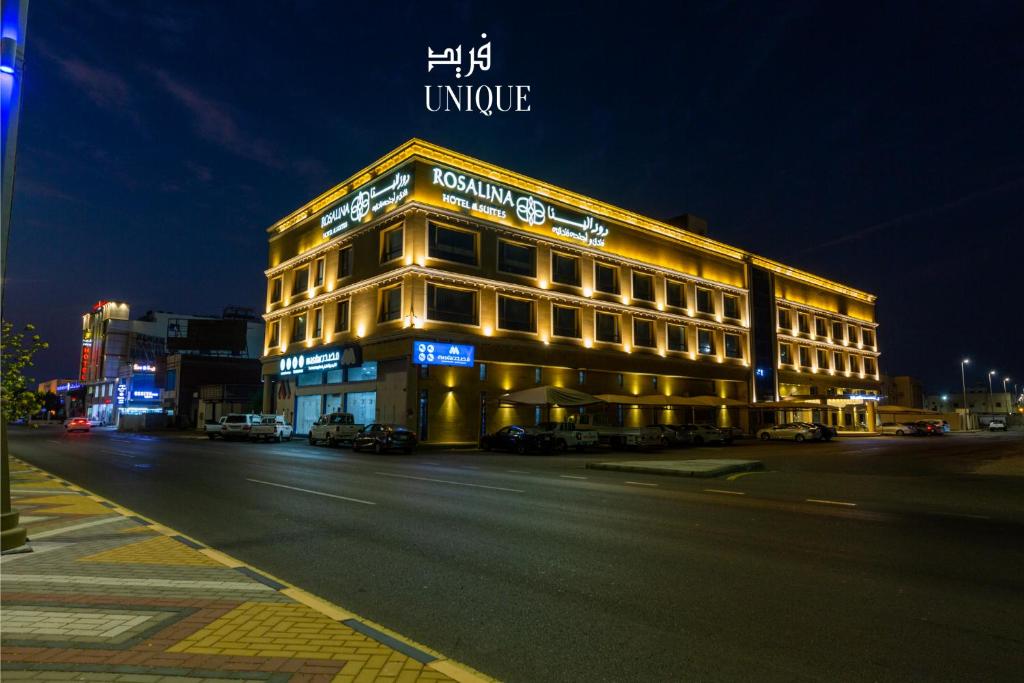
110, 596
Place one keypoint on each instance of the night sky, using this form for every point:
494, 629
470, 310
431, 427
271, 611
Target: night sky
882, 148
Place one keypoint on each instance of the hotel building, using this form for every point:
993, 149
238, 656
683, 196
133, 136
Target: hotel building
429, 284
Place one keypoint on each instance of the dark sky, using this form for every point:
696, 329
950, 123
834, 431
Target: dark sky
882, 147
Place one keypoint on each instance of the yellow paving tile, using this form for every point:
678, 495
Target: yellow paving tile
65, 505
159, 550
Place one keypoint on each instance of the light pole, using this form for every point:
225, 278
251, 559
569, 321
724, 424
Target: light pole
1009, 403
990, 373
963, 381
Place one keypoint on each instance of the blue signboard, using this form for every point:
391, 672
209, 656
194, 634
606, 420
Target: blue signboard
442, 353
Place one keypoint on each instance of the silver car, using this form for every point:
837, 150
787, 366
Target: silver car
897, 428
791, 431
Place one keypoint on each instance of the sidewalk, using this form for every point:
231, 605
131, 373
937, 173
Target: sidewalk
110, 596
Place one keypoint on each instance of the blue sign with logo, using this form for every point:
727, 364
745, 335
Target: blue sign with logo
442, 353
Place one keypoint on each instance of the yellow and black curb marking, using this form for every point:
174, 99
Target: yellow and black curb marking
420, 653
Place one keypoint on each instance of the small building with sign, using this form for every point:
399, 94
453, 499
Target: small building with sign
428, 285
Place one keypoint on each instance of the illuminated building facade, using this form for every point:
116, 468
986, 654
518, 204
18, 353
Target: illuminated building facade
428, 285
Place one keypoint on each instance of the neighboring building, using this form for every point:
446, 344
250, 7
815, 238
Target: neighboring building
58, 386
429, 284
902, 390
188, 374
979, 402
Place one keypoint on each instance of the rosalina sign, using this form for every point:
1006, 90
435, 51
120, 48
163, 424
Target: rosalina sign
331, 358
367, 202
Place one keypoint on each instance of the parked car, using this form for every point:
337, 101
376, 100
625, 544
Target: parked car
334, 428
618, 436
700, 434
238, 425
897, 428
825, 432
929, 427
670, 436
794, 431
997, 424
271, 428
380, 437
517, 439
77, 424
732, 433
215, 429
561, 436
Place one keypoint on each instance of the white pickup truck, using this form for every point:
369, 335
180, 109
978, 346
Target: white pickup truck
271, 428
561, 436
334, 428
215, 429
619, 437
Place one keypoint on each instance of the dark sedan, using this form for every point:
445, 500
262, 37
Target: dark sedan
516, 439
827, 432
381, 438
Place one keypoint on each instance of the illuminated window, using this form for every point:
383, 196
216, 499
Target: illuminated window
852, 335
837, 331
785, 354
785, 321
454, 245
565, 269
676, 337
869, 338
619, 380
854, 364
820, 328
391, 303
607, 327
823, 359
483, 371
391, 243
705, 304
731, 304
643, 287
869, 366
516, 314
318, 272
706, 342
345, 262
538, 376
606, 278
275, 290
301, 282
318, 323
803, 322
675, 294
581, 376
517, 259
275, 333
565, 321
452, 305
643, 333
837, 360
805, 357
299, 327
341, 316
732, 346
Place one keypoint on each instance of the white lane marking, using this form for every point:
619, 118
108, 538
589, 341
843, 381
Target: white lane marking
52, 441
315, 493
431, 463
731, 493
448, 481
126, 581
944, 514
570, 476
831, 502
517, 471
74, 527
640, 483
468, 467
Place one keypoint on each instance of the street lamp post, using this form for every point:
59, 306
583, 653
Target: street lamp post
963, 381
990, 409
1009, 403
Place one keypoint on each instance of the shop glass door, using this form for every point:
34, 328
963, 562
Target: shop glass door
307, 411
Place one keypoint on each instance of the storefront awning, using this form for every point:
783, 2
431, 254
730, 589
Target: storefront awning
549, 396
662, 400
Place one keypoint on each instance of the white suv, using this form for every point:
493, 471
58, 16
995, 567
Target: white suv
997, 425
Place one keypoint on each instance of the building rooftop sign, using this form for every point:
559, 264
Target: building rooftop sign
317, 360
367, 202
442, 353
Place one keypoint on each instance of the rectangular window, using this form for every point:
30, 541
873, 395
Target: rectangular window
538, 375
172, 379
516, 314
785, 354
643, 333
837, 332
275, 334
275, 290
301, 282
450, 244
345, 262
318, 272
299, 328
565, 321
837, 361
854, 364
675, 295
606, 278
852, 335
341, 316
643, 287
607, 327
785, 321
517, 259
819, 327
869, 338
706, 342
732, 346
676, 337
869, 366
805, 357
391, 242
803, 322
483, 371
581, 377
822, 359
452, 305
705, 304
731, 304
318, 323
391, 303
565, 269
362, 373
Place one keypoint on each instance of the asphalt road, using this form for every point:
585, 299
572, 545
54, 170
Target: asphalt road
882, 559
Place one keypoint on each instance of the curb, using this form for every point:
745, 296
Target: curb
743, 466
422, 654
